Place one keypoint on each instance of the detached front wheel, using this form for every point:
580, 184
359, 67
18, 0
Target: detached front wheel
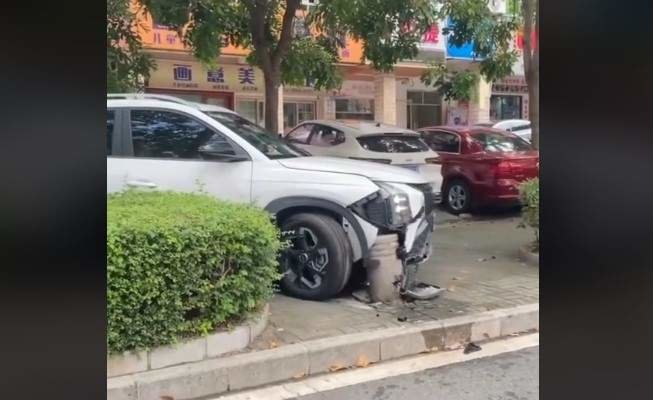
318, 263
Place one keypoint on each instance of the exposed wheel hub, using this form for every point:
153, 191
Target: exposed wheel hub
305, 261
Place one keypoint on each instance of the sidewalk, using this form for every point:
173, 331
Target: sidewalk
477, 261
490, 294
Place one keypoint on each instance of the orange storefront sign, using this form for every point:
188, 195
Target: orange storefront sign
160, 37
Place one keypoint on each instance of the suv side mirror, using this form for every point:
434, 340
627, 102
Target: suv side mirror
220, 151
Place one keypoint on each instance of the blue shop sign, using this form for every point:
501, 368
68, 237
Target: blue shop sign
464, 52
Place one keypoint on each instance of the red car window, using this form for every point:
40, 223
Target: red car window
495, 142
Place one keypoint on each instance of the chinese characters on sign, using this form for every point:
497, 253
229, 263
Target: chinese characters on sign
512, 84
246, 78
182, 76
432, 35
217, 76
182, 73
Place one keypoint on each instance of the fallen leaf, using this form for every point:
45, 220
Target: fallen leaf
299, 375
451, 288
362, 361
272, 344
336, 367
455, 278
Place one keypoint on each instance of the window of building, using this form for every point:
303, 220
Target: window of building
296, 113
505, 107
252, 109
424, 109
361, 109
111, 117
164, 134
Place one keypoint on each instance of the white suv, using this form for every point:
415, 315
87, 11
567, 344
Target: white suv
334, 207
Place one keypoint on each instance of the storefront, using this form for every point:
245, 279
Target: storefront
235, 86
509, 99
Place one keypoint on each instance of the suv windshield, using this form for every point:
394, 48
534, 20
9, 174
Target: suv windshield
500, 143
267, 143
389, 143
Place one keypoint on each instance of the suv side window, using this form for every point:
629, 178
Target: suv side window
324, 136
166, 134
300, 134
443, 141
111, 119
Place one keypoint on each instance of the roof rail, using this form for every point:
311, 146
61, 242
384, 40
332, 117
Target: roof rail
151, 96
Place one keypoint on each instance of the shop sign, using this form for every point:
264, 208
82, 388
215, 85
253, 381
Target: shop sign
464, 52
511, 84
432, 39
193, 75
356, 89
458, 114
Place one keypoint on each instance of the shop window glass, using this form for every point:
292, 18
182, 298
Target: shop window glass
505, 107
360, 109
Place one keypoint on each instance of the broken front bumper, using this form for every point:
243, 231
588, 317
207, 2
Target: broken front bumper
417, 241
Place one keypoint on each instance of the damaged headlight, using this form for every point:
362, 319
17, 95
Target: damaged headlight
398, 204
389, 207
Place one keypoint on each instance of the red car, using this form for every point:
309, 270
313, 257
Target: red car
481, 166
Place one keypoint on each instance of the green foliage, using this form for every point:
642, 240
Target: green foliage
180, 265
472, 21
312, 60
390, 29
127, 66
529, 193
452, 85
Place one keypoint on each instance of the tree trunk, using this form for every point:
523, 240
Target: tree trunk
532, 67
272, 83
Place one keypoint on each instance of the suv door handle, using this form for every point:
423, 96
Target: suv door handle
146, 184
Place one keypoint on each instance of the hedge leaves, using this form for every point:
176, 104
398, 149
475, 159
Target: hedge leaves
180, 265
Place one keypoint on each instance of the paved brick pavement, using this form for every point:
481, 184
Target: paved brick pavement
476, 261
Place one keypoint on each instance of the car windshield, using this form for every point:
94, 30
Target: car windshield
267, 143
500, 143
389, 143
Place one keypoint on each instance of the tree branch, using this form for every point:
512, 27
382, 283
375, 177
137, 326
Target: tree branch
286, 32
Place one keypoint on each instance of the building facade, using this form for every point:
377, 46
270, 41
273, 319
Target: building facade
398, 98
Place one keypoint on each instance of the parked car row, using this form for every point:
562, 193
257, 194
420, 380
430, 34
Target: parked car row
335, 186
466, 166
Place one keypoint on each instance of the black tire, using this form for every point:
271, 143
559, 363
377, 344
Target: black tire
458, 197
327, 234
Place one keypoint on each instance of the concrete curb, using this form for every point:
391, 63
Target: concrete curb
528, 256
194, 350
244, 371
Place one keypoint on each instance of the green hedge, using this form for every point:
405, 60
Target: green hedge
180, 265
529, 193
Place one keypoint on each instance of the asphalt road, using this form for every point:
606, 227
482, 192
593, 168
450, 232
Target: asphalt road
507, 376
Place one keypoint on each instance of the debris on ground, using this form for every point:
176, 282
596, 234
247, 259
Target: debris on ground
362, 361
471, 347
336, 367
362, 295
423, 291
482, 259
402, 318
